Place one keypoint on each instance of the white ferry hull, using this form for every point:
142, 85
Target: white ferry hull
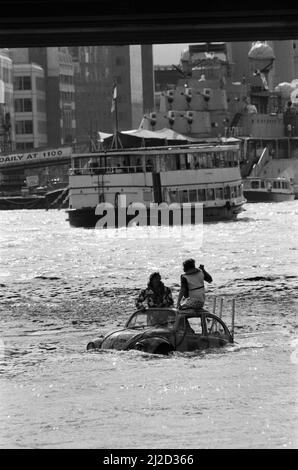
87, 218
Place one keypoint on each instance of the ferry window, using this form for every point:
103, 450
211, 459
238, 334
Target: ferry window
255, 184
173, 195
219, 193
209, 161
197, 162
210, 194
136, 165
149, 164
227, 192
190, 161
203, 161
217, 160
201, 195
183, 161
183, 195
262, 184
275, 184
170, 162
192, 195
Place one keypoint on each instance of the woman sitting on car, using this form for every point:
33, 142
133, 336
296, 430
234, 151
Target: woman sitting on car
156, 295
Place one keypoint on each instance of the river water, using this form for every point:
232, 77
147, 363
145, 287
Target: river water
61, 287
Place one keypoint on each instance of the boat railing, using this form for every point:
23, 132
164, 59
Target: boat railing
102, 170
233, 131
97, 170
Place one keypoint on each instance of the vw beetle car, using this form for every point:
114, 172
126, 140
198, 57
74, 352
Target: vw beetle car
161, 331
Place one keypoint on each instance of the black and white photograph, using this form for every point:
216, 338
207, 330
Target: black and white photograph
148, 231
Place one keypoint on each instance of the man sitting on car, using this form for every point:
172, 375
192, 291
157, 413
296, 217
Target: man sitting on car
192, 285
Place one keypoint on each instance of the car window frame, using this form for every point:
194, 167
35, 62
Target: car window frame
147, 311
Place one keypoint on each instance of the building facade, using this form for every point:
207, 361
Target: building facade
7, 132
58, 68
29, 106
97, 70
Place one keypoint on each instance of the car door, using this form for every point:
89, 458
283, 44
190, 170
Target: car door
216, 331
190, 335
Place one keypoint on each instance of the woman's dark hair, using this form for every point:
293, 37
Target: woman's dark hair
152, 276
189, 264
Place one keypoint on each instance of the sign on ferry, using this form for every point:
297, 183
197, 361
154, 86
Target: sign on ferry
41, 155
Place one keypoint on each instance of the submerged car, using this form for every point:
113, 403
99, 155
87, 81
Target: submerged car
163, 330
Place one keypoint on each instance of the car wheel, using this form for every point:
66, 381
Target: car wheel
163, 349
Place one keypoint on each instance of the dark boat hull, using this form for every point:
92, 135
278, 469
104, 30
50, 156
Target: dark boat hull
87, 218
22, 202
262, 196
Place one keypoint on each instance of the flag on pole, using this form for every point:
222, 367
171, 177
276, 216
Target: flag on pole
114, 99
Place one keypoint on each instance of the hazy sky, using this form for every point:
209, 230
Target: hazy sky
167, 54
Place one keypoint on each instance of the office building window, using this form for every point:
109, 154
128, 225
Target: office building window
24, 127
24, 145
22, 83
23, 105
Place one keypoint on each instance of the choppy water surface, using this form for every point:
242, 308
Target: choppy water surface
61, 287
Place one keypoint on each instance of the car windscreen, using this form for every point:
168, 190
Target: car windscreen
156, 318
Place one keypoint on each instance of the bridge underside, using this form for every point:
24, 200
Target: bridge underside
31, 23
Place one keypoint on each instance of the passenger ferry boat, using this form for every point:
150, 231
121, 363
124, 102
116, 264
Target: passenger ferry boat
268, 189
204, 173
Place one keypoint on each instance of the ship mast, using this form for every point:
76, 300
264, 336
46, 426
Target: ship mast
114, 109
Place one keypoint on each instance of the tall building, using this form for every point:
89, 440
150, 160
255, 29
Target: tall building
29, 106
97, 69
239, 57
59, 89
7, 132
284, 66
